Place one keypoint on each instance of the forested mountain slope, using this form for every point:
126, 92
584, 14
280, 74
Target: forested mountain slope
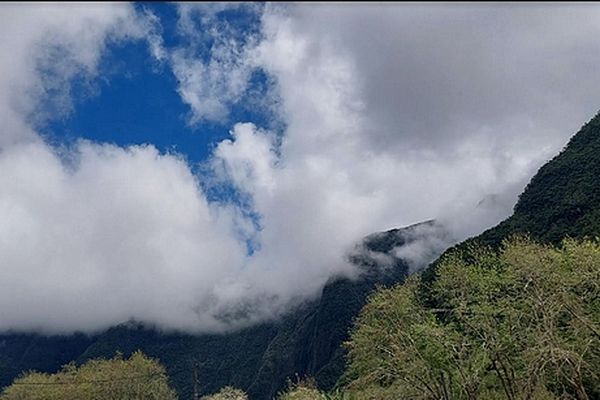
563, 198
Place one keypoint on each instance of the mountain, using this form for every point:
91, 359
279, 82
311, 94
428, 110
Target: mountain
260, 359
521, 322
561, 200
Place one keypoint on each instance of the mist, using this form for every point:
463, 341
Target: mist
391, 115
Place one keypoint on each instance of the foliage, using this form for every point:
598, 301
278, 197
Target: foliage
138, 377
307, 390
521, 323
227, 393
302, 392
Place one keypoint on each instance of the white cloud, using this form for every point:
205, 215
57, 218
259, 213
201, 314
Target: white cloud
394, 114
248, 161
211, 87
124, 233
214, 68
422, 111
96, 234
398, 114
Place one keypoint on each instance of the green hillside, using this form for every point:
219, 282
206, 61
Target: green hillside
515, 324
513, 313
563, 198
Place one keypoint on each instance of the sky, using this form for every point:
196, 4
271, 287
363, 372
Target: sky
205, 167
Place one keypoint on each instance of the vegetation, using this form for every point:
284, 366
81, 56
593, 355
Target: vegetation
306, 389
138, 377
227, 393
563, 198
302, 390
521, 323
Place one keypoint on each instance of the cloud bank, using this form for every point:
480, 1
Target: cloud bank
394, 114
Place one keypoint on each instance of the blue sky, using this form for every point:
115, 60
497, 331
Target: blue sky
134, 99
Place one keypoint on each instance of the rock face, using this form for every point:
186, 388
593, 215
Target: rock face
260, 359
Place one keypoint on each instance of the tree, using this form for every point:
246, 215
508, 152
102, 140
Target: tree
521, 323
306, 389
227, 393
138, 377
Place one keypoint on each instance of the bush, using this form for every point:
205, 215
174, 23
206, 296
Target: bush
138, 377
228, 393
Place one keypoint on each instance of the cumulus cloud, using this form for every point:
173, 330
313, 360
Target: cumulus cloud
401, 113
121, 233
394, 114
450, 103
95, 234
398, 114
215, 65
